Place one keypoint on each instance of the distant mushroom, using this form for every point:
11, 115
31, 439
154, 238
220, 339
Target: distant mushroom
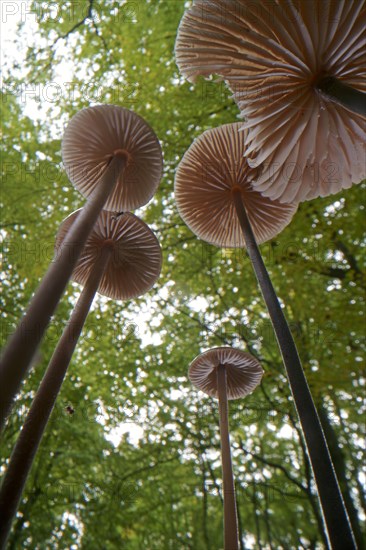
226, 373
115, 158
214, 195
122, 260
297, 71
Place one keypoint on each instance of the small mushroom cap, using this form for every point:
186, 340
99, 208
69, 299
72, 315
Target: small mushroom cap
91, 139
136, 258
205, 178
271, 55
243, 372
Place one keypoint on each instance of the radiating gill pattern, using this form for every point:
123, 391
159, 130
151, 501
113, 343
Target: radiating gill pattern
243, 372
272, 54
136, 257
90, 140
208, 172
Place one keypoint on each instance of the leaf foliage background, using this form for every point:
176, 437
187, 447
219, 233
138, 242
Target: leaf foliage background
157, 484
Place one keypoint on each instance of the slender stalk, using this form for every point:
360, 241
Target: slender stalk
24, 342
334, 512
343, 94
230, 517
30, 437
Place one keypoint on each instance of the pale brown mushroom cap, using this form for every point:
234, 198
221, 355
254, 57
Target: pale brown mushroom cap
243, 372
211, 168
272, 55
91, 139
136, 258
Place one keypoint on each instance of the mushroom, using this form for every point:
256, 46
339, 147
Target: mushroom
115, 159
96, 135
213, 172
214, 195
297, 71
122, 260
226, 373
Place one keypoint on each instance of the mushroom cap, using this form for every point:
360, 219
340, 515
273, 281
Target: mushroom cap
91, 139
272, 55
209, 170
136, 258
243, 372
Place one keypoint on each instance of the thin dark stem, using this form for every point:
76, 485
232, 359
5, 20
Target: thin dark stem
336, 519
23, 344
30, 437
343, 94
230, 517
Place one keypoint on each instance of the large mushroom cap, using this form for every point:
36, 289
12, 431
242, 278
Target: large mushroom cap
243, 372
94, 135
136, 258
211, 168
272, 55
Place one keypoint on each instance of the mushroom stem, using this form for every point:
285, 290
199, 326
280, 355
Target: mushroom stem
230, 516
30, 437
24, 342
334, 512
345, 95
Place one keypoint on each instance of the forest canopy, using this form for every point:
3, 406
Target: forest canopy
131, 456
